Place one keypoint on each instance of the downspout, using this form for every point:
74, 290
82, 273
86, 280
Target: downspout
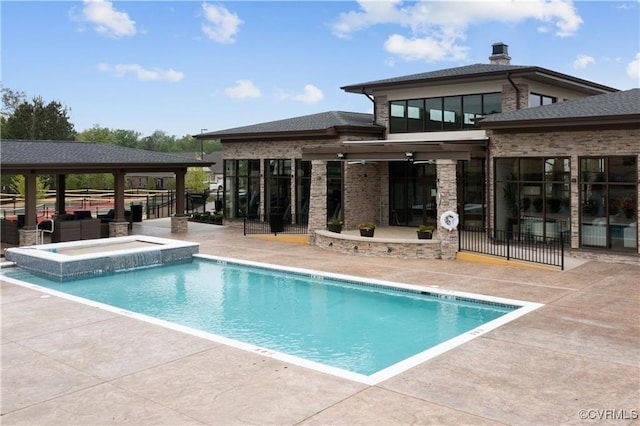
516, 89
374, 104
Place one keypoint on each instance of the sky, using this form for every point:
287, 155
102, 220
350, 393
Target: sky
187, 67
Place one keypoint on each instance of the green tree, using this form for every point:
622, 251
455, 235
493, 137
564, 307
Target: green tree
158, 141
17, 184
196, 180
39, 121
97, 134
128, 138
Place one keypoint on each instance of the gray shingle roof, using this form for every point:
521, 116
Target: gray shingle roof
320, 122
66, 153
474, 71
617, 104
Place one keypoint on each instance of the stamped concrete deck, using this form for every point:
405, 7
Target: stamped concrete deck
64, 363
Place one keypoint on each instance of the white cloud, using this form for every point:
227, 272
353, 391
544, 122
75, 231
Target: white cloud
427, 48
437, 29
222, 25
582, 61
243, 89
310, 95
633, 68
120, 70
107, 20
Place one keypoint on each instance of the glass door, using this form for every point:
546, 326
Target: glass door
412, 193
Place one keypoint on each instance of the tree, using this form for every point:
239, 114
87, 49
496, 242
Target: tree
38, 121
195, 180
10, 101
18, 186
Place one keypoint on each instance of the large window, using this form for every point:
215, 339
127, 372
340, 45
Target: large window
608, 196
536, 99
532, 197
303, 190
471, 192
278, 188
241, 188
442, 113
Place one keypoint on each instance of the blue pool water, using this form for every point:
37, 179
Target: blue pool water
350, 326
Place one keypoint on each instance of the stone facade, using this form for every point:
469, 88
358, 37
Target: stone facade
511, 100
362, 194
318, 201
364, 246
118, 229
179, 224
28, 237
447, 201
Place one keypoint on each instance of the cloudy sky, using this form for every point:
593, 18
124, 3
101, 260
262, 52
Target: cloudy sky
181, 67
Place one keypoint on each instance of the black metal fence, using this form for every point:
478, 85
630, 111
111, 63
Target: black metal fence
274, 224
510, 245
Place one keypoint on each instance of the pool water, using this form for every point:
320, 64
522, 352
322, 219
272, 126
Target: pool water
359, 327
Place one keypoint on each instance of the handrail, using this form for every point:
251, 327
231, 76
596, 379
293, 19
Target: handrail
40, 232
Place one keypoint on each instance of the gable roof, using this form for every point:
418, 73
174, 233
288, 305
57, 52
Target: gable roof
479, 72
18, 156
328, 123
618, 107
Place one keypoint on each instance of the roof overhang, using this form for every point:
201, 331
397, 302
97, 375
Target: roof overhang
386, 150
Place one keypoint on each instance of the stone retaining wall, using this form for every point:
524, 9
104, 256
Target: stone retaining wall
378, 247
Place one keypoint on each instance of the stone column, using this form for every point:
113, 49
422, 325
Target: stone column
118, 229
447, 201
27, 237
318, 198
179, 224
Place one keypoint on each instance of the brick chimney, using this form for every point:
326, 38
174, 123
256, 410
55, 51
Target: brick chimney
500, 54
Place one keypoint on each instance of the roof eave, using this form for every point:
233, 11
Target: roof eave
299, 134
632, 120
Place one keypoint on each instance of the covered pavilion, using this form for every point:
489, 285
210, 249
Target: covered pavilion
32, 158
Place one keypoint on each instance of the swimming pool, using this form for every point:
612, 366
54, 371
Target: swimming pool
364, 330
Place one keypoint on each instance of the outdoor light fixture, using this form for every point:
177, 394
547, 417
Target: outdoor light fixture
340, 155
409, 155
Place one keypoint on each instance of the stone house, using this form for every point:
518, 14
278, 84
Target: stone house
509, 148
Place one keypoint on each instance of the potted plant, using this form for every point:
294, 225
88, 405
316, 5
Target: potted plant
367, 229
425, 232
334, 225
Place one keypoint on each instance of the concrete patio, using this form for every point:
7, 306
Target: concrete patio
575, 360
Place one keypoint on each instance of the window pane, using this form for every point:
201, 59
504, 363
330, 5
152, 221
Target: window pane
472, 105
492, 103
592, 169
623, 217
531, 169
415, 115
506, 169
434, 114
397, 121
622, 169
452, 114
534, 100
557, 169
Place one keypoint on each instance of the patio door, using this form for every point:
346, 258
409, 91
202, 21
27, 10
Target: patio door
412, 193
